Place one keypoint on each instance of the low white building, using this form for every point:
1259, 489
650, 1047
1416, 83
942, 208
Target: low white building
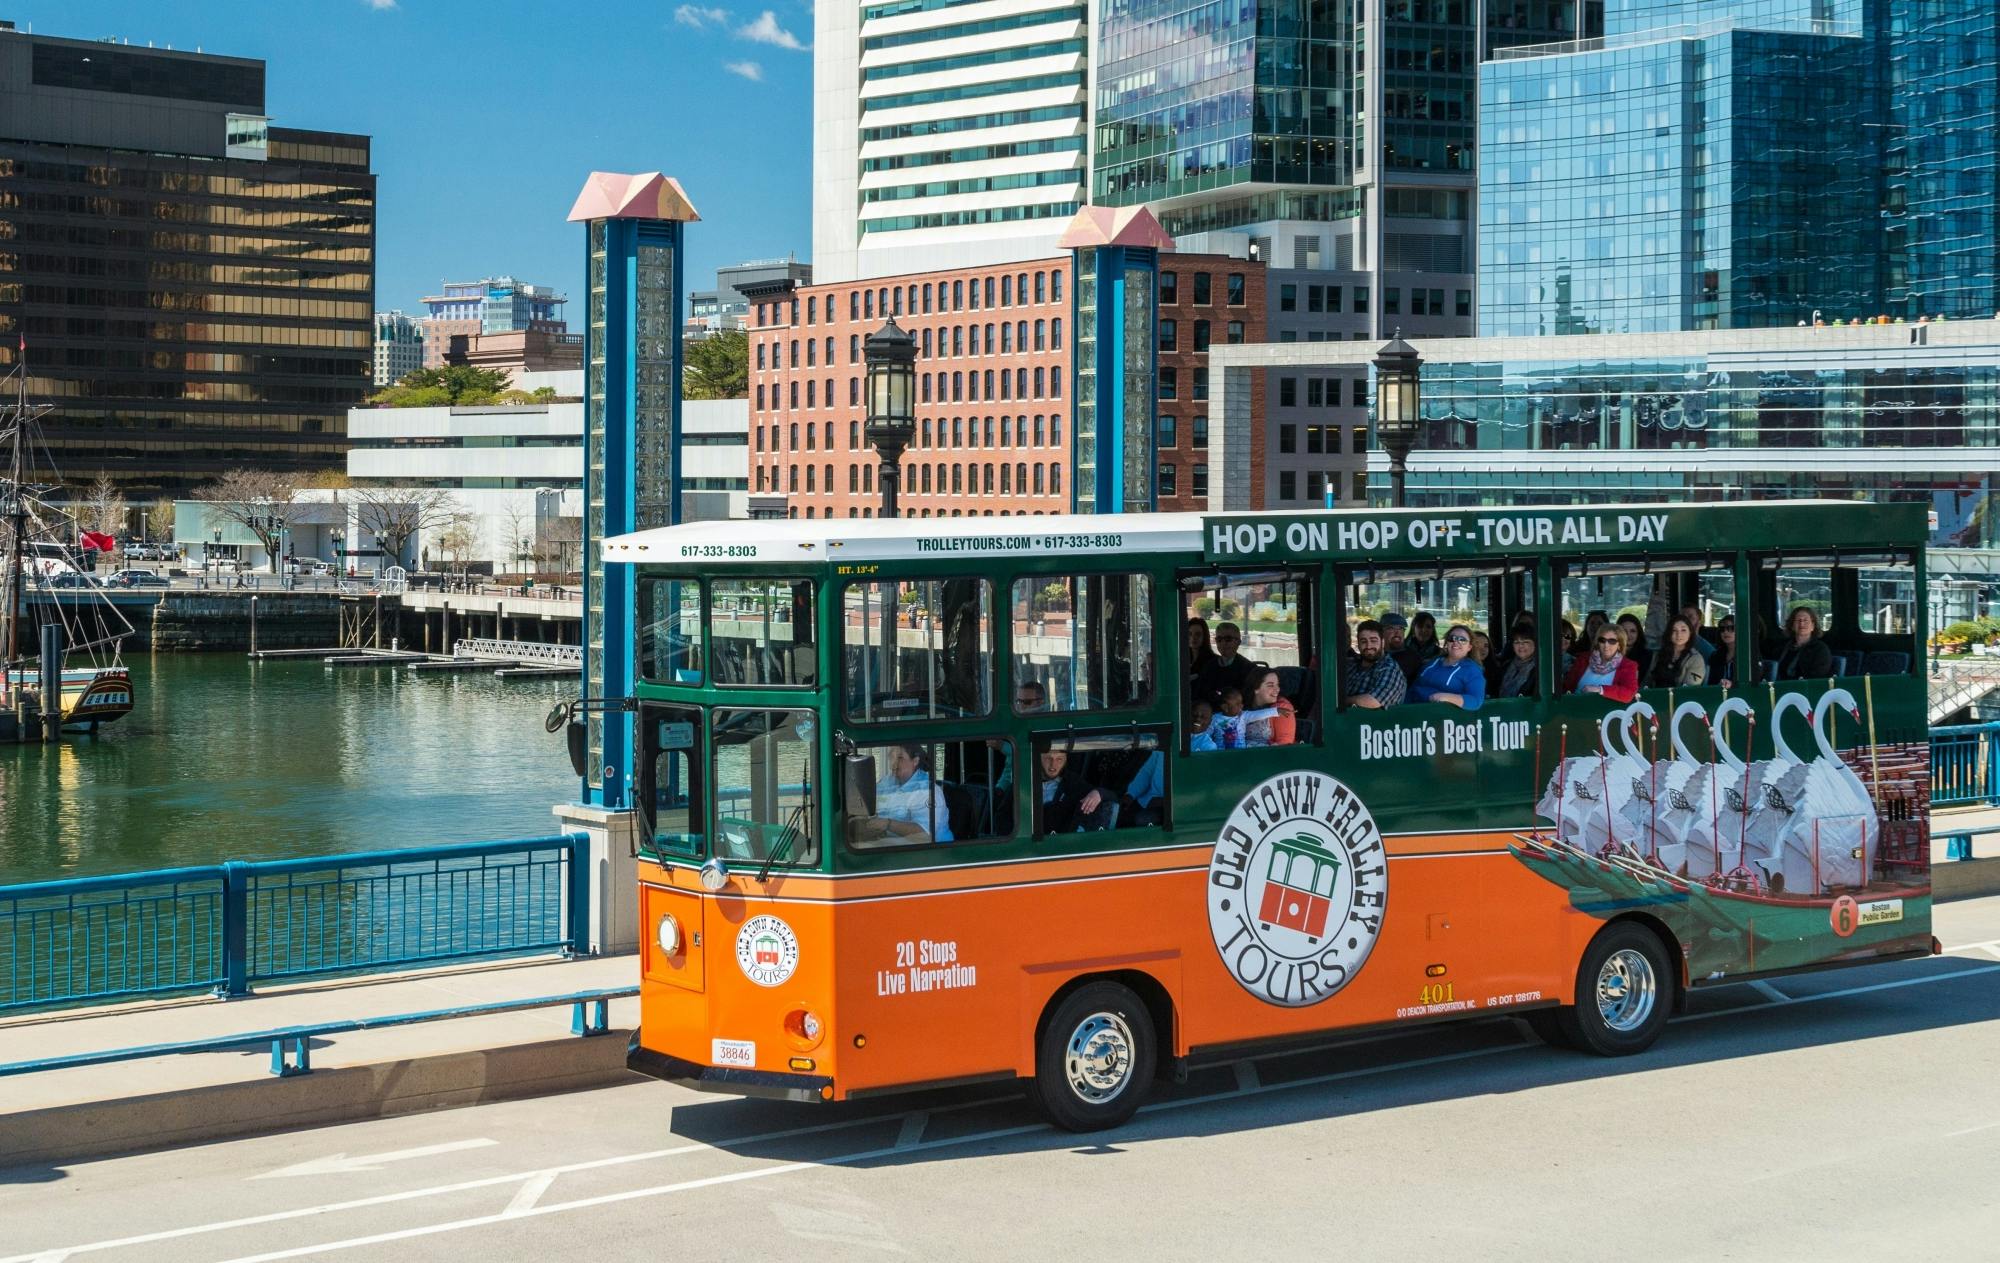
517, 469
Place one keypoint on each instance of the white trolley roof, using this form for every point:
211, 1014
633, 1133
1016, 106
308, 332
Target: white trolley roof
789, 541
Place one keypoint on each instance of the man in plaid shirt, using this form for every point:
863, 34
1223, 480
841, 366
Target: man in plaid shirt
1373, 679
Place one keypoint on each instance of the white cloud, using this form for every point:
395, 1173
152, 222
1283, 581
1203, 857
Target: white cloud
698, 17
379, 5
765, 30
748, 69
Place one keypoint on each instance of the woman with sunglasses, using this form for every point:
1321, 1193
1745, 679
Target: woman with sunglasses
1452, 677
1604, 669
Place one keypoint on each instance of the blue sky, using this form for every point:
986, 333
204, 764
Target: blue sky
488, 114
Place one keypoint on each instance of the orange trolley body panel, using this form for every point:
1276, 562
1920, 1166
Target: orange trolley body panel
940, 975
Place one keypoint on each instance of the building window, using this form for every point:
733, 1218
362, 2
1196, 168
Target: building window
1315, 440
1358, 392
1315, 485
1199, 482
1167, 474
1235, 333
1288, 392
1357, 440
1038, 382
1465, 302
1200, 384
854, 305
1288, 485
1235, 289
868, 303
1203, 292
1164, 434
1288, 297
1360, 300
1315, 298
927, 298
1392, 301
1201, 335
1198, 431
1170, 288
1288, 438
1169, 336
1055, 429
1040, 289
1055, 287
1041, 330
1055, 333
1170, 383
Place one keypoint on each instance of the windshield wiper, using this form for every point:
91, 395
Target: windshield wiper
791, 831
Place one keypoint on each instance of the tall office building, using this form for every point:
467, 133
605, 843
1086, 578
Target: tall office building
1742, 163
195, 288
946, 133
399, 347
1244, 128
495, 304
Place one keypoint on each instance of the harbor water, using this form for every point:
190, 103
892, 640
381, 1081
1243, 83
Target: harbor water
228, 759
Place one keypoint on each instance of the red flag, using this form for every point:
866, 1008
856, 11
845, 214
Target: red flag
98, 541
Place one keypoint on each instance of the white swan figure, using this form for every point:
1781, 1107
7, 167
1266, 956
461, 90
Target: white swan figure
1576, 786
1604, 824
1711, 843
1660, 810
1777, 790
1830, 836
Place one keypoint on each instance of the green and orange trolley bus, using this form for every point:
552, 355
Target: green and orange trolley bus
935, 801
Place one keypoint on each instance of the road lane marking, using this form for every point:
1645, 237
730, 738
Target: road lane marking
788, 1168
341, 1164
789, 1133
1969, 1130
530, 1193
491, 1181
1992, 944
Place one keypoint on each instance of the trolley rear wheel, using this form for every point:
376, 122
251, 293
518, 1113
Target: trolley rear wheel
1094, 1061
1624, 993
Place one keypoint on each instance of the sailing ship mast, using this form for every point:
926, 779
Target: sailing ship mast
17, 512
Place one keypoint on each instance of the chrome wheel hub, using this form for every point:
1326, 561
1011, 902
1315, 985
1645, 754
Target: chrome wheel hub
1626, 990
1099, 1058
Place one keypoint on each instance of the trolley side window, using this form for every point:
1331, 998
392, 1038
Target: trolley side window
918, 793
917, 649
1861, 608
761, 633
1084, 642
1094, 782
670, 792
1234, 622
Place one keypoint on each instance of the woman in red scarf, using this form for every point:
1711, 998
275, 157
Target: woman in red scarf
1603, 668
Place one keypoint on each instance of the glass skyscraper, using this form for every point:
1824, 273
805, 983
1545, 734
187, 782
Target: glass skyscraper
194, 288
1741, 164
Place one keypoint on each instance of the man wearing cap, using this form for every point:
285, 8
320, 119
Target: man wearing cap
1229, 669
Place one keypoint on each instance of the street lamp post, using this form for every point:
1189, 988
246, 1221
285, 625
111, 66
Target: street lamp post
891, 356
1398, 395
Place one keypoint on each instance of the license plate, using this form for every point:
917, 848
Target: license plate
741, 1053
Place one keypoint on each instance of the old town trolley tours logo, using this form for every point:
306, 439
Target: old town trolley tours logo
767, 951
1297, 888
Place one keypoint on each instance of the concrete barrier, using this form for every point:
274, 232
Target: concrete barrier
260, 1103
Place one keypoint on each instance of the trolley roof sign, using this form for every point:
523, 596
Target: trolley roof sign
1436, 534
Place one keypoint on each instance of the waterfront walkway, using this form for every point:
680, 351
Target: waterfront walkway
71, 1114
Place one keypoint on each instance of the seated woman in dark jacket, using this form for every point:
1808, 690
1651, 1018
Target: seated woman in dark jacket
1069, 803
1678, 663
1805, 655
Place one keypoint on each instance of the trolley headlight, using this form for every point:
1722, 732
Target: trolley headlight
714, 875
670, 936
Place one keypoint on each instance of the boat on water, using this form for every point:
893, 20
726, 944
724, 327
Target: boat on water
41, 554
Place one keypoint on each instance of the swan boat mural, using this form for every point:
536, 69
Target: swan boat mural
1765, 858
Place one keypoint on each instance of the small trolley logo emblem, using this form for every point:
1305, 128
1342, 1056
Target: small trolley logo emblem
767, 951
1296, 888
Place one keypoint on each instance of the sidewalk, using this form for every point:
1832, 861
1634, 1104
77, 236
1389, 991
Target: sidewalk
1965, 879
66, 1115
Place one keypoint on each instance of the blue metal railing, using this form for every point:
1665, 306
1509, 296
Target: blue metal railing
1965, 765
226, 927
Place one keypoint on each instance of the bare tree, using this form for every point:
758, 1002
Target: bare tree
558, 549
105, 506
517, 521
397, 515
160, 522
457, 540
258, 500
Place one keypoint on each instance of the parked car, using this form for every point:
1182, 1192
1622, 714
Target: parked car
69, 579
308, 566
136, 579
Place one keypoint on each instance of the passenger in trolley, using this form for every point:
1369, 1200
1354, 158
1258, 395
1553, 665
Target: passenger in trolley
909, 804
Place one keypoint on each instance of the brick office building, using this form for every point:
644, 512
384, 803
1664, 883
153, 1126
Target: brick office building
993, 365
1205, 299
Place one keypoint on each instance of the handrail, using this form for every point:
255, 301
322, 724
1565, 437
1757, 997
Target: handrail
226, 926
277, 1036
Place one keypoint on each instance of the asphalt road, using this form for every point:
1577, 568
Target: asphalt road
1825, 1117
